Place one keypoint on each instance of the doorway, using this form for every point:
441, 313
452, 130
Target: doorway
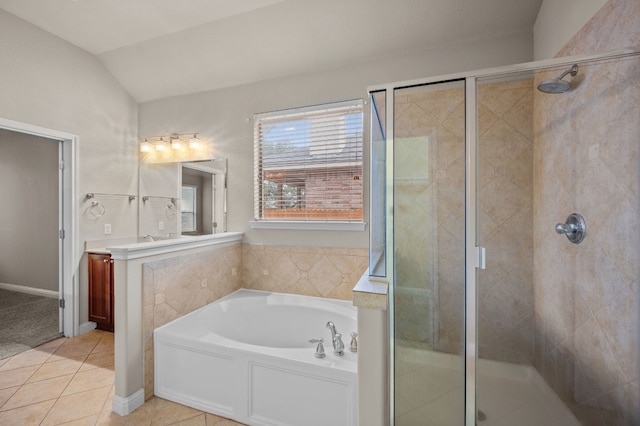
57, 216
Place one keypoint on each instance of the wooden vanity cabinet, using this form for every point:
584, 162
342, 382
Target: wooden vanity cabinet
101, 290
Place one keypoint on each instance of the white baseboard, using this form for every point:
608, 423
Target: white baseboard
126, 405
30, 290
86, 327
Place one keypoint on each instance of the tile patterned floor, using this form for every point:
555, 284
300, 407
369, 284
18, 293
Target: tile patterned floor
69, 381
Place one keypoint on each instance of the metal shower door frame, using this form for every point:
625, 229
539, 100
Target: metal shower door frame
473, 258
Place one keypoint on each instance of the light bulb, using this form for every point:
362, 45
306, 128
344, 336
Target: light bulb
145, 146
160, 146
194, 142
176, 143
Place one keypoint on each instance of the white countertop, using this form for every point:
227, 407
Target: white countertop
131, 247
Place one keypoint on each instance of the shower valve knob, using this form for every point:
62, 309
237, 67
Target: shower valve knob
575, 228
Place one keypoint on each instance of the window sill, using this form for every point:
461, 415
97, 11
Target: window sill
308, 226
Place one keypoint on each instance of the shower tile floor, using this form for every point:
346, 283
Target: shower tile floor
430, 392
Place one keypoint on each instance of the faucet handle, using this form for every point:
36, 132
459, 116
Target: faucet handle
338, 346
320, 348
353, 347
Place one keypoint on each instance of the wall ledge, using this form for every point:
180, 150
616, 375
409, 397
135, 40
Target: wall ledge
154, 248
371, 292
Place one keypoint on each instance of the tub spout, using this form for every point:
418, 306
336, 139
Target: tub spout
336, 338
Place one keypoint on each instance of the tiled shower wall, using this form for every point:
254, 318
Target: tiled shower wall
587, 161
505, 221
429, 216
179, 285
429, 208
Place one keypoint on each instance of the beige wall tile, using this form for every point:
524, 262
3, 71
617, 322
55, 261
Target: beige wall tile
585, 161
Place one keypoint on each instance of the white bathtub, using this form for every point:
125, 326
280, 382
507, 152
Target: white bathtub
247, 357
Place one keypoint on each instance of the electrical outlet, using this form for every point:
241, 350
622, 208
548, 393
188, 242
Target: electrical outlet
161, 226
107, 229
234, 272
265, 272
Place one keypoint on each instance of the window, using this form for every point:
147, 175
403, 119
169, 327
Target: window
188, 208
308, 164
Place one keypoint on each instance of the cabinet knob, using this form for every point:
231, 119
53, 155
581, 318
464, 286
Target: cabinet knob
111, 260
105, 260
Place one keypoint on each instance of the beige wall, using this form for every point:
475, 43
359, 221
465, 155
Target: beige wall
586, 157
225, 117
50, 83
558, 21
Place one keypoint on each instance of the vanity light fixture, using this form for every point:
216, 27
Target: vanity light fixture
160, 145
175, 147
176, 143
194, 142
145, 146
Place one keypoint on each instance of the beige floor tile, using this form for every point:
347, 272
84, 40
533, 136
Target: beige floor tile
7, 393
53, 345
27, 358
53, 369
105, 344
108, 402
163, 412
91, 379
29, 415
199, 420
92, 336
213, 420
72, 348
16, 377
137, 418
85, 421
37, 392
3, 361
98, 360
76, 406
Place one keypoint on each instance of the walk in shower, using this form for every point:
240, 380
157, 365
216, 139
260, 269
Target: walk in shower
496, 317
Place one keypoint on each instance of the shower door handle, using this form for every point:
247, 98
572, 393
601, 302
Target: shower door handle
481, 258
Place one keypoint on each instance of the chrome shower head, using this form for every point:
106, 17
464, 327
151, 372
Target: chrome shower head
558, 85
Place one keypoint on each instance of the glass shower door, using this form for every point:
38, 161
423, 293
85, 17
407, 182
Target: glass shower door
429, 253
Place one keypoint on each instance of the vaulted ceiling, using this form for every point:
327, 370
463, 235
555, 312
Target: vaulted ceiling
160, 48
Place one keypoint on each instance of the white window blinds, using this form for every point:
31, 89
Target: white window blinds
308, 164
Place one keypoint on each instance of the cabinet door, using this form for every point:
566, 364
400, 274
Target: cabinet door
100, 290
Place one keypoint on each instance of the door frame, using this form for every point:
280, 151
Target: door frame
68, 283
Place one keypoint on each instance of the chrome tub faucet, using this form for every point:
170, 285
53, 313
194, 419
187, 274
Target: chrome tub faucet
336, 338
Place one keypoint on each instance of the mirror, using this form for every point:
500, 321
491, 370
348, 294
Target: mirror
162, 213
203, 197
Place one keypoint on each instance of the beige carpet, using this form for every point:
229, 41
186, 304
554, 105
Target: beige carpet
26, 321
